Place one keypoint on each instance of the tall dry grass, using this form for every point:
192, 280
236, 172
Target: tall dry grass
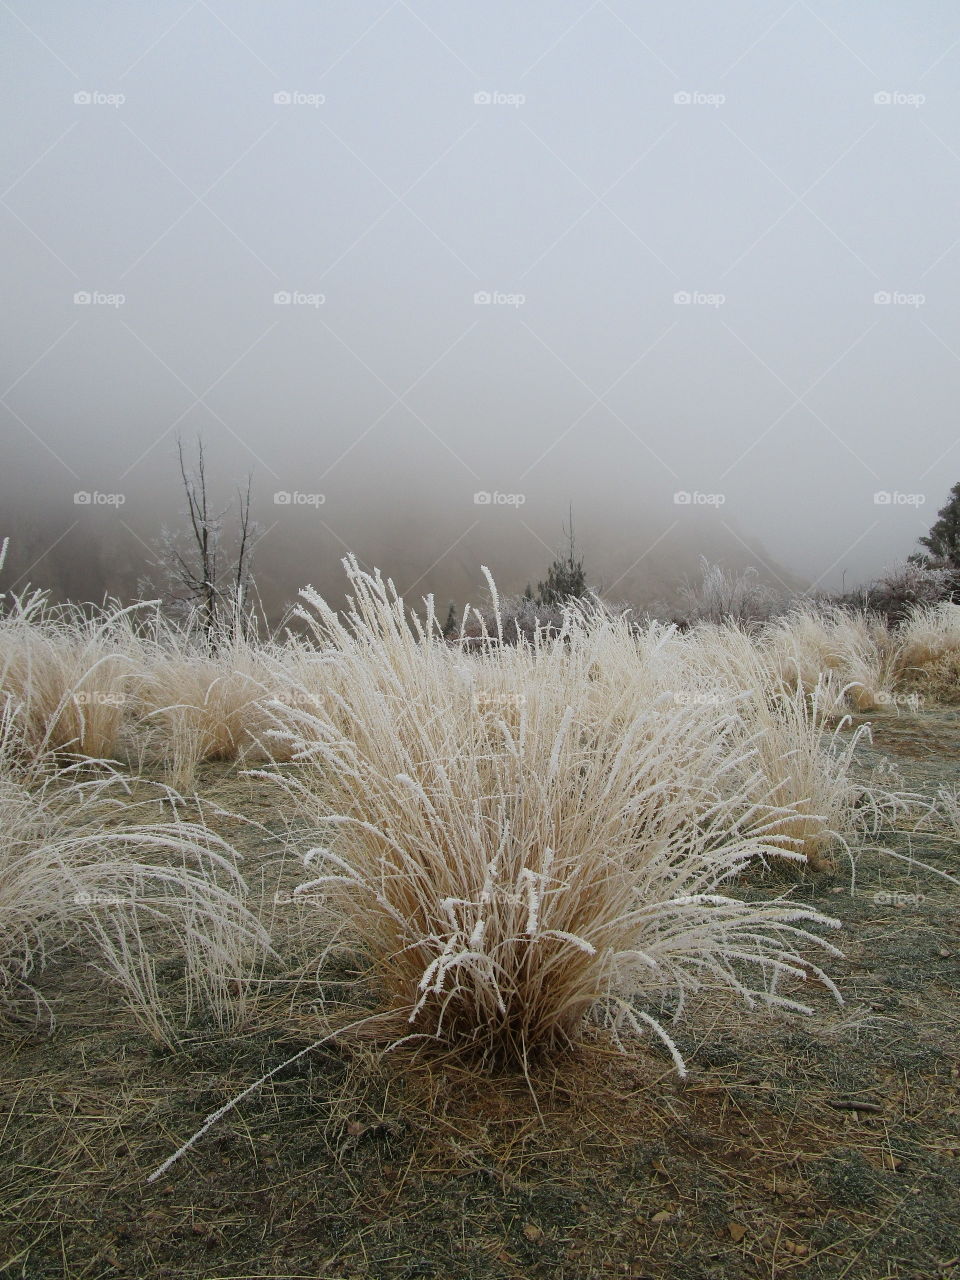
849, 657
928, 658
196, 701
70, 671
124, 894
520, 864
775, 746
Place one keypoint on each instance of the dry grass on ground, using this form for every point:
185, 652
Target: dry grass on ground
354, 1165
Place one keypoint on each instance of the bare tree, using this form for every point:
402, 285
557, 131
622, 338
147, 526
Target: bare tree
195, 569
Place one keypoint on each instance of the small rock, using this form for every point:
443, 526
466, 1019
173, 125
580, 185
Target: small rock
737, 1231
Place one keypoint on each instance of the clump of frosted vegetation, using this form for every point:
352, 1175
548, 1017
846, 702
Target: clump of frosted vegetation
69, 670
723, 596
526, 843
850, 658
72, 878
198, 696
781, 752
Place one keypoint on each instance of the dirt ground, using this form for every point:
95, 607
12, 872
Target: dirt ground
817, 1147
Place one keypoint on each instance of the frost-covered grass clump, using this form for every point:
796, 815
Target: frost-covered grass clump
523, 845
124, 896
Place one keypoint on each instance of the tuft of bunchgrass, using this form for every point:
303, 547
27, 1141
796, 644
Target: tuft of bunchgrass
199, 698
928, 656
520, 865
848, 658
819, 806
69, 670
125, 895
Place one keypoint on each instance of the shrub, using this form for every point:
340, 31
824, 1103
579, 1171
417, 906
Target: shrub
904, 587
723, 596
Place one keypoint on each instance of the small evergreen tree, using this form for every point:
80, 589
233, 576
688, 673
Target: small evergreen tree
566, 578
451, 623
943, 540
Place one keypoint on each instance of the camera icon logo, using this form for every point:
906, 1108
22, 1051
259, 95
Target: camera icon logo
683, 98
682, 498
482, 499
482, 99
82, 98
883, 98
282, 298
283, 498
282, 99
82, 499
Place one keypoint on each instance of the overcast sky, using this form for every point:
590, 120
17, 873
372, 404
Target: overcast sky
719, 248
